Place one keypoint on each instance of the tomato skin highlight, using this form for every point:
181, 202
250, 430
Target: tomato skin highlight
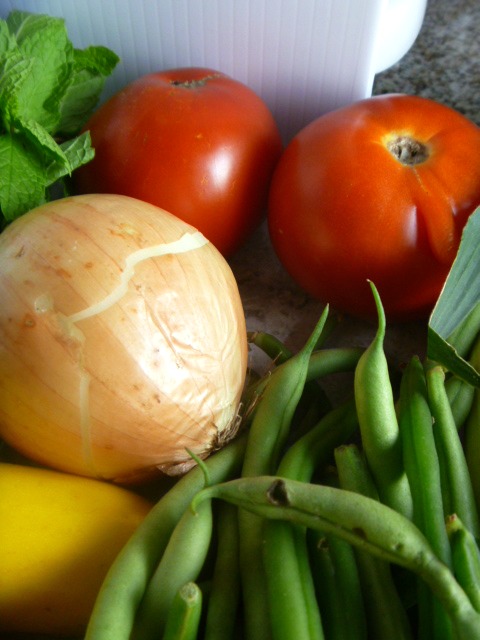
194, 142
343, 209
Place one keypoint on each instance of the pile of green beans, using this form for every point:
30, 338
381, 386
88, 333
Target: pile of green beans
349, 520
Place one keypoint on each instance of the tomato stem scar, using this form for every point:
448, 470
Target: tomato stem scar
192, 84
407, 150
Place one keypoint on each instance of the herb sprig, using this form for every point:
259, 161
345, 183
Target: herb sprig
48, 89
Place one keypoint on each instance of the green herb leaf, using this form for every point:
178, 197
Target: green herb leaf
14, 70
91, 67
44, 42
48, 89
7, 40
40, 140
454, 323
22, 178
77, 151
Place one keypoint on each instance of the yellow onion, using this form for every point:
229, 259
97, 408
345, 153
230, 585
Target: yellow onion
122, 339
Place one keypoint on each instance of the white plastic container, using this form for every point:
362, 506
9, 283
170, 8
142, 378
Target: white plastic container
304, 57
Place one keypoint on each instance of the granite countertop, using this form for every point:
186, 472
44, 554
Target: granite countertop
443, 64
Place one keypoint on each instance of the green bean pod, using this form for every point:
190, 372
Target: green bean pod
126, 581
266, 439
424, 474
323, 363
182, 561
290, 585
386, 614
314, 450
270, 345
378, 421
276, 350
472, 431
339, 594
292, 601
365, 523
465, 558
457, 490
183, 619
224, 596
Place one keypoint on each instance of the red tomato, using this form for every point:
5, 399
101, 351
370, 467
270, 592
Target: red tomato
192, 141
378, 190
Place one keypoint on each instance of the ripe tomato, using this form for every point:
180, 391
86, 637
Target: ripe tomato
192, 141
378, 190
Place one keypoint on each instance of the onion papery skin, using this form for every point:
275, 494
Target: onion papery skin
122, 339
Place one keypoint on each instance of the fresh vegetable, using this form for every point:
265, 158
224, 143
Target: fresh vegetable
293, 603
184, 614
378, 190
181, 562
454, 325
267, 436
375, 402
386, 616
192, 141
364, 522
48, 89
403, 571
128, 578
123, 339
422, 467
59, 535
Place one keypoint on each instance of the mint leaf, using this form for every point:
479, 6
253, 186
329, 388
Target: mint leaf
14, 70
7, 40
79, 102
22, 178
44, 41
48, 89
40, 140
98, 60
91, 67
77, 152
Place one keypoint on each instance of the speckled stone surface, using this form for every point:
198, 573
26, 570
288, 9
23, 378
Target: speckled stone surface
443, 64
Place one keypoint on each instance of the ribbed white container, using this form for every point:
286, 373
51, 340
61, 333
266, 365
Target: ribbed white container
304, 57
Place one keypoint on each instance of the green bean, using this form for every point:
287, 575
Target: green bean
181, 562
314, 400
316, 447
378, 421
460, 396
338, 589
362, 521
183, 618
290, 586
123, 588
277, 350
270, 345
423, 471
386, 615
472, 431
323, 362
267, 436
466, 558
457, 490
223, 601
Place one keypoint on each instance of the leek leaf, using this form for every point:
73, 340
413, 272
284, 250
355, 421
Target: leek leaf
454, 324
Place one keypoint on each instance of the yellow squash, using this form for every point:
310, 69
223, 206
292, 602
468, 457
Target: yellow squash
59, 534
